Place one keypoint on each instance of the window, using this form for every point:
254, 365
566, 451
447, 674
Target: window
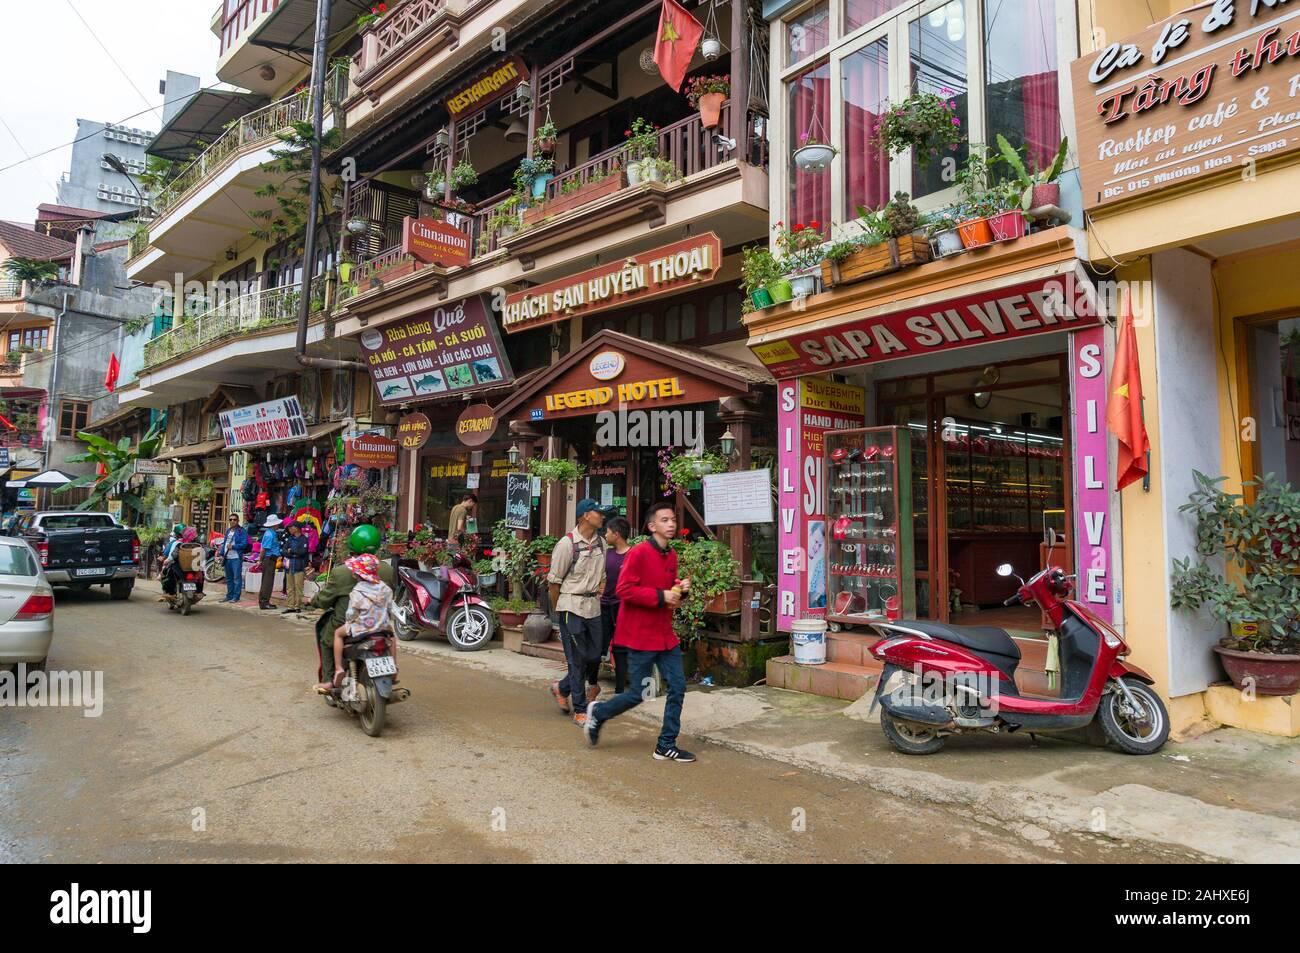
37, 338
73, 416
1022, 98
936, 44
865, 82
807, 34
861, 12
809, 100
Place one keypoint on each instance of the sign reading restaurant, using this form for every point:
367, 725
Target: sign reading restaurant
488, 87
659, 271
1212, 89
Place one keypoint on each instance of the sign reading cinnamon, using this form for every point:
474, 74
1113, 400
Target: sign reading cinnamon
434, 242
660, 271
371, 451
487, 88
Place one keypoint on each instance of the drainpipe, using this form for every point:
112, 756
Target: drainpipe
319, 69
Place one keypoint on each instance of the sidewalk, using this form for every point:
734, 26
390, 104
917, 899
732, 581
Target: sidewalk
1228, 794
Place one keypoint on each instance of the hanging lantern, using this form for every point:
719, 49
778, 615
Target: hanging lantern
524, 91
514, 454
727, 442
711, 48
442, 138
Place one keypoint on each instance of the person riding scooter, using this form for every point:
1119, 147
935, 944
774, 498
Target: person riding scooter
180, 557
333, 595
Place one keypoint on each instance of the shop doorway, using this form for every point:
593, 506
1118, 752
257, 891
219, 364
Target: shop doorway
990, 478
1272, 352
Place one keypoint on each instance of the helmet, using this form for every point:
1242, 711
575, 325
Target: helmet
364, 539
178, 529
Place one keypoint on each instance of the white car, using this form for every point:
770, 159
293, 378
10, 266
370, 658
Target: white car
26, 606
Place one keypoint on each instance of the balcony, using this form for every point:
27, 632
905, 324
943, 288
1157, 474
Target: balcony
429, 24
264, 43
11, 289
205, 208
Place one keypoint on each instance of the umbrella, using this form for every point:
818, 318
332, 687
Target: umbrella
50, 478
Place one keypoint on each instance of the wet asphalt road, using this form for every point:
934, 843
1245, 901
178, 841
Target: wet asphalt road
209, 722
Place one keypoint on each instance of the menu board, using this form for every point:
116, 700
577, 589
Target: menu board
453, 349
200, 516
519, 500
733, 499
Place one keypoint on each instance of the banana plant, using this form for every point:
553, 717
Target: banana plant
1024, 177
115, 463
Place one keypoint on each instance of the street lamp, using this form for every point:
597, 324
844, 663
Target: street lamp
117, 165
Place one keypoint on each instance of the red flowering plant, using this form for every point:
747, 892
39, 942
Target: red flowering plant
376, 13
642, 140
698, 86
926, 123
799, 244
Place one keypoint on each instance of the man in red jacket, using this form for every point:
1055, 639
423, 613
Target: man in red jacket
649, 590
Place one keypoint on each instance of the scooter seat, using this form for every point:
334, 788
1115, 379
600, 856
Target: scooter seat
984, 639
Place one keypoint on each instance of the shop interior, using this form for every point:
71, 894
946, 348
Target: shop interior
988, 478
1273, 350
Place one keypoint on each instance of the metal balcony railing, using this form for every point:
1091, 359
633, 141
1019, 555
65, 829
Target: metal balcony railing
230, 318
11, 288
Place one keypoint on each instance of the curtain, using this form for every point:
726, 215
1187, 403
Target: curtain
809, 97
1023, 101
866, 96
861, 12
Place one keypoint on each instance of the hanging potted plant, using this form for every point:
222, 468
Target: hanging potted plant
813, 155
1257, 590
1039, 188
435, 183
684, 471
926, 123
707, 93
463, 175
545, 137
556, 470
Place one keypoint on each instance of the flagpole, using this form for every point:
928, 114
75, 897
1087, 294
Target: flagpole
1146, 477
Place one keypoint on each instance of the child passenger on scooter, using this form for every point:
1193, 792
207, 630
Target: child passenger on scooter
369, 608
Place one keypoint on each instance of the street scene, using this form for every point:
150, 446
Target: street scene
662, 431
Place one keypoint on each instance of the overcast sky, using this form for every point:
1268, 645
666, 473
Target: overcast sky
54, 71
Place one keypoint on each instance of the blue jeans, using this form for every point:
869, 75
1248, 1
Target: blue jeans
641, 685
234, 578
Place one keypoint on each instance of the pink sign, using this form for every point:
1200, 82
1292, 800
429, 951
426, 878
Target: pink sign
793, 563
1092, 480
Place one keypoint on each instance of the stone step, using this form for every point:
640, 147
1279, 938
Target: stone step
850, 648
551, 650
830, 679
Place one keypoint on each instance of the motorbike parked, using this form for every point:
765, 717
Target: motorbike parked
447, 602
941, 680
369, 686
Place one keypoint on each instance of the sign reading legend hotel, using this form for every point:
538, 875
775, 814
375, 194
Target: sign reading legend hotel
659, 271
1208, 91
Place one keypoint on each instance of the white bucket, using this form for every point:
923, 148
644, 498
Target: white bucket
808, 636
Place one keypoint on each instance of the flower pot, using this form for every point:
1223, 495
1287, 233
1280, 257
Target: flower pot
803, 285
1047, 194
546, 146
487, 580
780, 290
948, 243
539, 185
649, 171
711, 109
537, 628
710, 48
975, 232
544, 560
1266, 673
634, 173
512, 619
890, 256
1007, 226
761, 299
814, 159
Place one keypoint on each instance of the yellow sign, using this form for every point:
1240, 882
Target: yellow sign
777, 352
442, 470
821, 394
628, 393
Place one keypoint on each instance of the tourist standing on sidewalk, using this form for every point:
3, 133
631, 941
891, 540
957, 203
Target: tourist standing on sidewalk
295, 566
233, 546
617, 532
270, 554
576, 580
650, 590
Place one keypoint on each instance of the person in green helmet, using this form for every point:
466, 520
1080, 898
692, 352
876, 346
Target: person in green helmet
333, 595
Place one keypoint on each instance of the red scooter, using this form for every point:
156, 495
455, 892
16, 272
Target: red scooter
942, 679
447, 602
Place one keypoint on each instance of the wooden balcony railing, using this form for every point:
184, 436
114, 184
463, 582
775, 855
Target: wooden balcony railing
387, 36
234, 316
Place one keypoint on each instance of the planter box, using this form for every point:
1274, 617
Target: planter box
589, 192
512, 638
724, 603
893, 255
1269, 674
392, 271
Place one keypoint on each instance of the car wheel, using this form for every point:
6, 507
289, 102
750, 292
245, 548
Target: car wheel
121, 588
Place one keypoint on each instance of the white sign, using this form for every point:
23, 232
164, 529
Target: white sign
731, 499
607, 494
155, 467
271, 422
607, 365
471, 481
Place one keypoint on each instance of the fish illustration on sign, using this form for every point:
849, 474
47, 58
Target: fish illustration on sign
429, 383
398, 388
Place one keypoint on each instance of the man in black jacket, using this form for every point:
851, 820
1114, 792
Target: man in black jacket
294, 552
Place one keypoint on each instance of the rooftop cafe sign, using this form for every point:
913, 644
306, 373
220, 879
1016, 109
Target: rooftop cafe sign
659, 271
1054, 304
1208, 90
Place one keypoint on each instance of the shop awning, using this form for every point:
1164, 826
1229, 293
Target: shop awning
291, 27
202, 120
205, 449
1031, 286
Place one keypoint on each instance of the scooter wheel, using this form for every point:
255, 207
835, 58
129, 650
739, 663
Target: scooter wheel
910, 738
1140, 732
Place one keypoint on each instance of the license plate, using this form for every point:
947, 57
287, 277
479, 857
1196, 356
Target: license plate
89, 572
381, 665
190, 586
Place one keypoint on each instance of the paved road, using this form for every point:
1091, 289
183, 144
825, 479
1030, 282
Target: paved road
212, 717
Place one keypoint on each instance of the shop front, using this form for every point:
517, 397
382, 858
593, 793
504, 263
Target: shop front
933, 429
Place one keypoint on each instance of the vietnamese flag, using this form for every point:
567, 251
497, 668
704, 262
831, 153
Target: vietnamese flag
679, 34
110, 379
1124, 405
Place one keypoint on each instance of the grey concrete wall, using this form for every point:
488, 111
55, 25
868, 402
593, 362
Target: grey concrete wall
1186, 384
85, 173
177, 88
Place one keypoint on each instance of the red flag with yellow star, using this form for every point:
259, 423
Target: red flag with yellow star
1124, 405
679, 34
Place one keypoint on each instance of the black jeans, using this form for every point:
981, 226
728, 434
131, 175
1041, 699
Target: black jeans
582, 640
609, 617
268, 579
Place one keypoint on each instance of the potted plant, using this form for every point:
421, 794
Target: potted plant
707, 93
1256, 588
892, 239
1007, 221
799, 246
944, 237
376, 13
463, 175
556, 470
642, 145
531, 176
487, 574
1040, 188
541, 548
545, 137
758, 270
715, 584
813, 155
513, 612
978, 199
503, 222
926, 123
683, 470
435, 183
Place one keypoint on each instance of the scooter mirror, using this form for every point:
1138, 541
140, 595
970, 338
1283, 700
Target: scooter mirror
1005, 570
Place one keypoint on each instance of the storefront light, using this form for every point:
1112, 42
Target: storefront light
728, 442
514, 455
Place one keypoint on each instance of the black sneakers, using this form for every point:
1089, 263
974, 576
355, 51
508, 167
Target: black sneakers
591, 727
672, 754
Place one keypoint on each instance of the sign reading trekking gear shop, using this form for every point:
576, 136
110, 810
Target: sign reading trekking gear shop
488, 87
260, 425
1207, 91
659, 271
453, 349
434, 242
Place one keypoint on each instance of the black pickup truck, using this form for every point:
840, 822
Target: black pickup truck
81, 550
